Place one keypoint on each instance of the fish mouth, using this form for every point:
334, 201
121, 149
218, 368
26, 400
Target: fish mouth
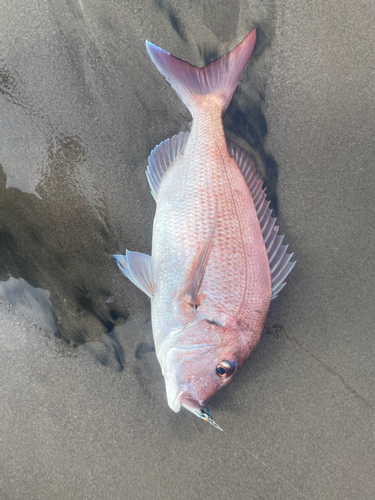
185, 395
187, 402
177, 392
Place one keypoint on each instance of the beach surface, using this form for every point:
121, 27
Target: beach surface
83, 408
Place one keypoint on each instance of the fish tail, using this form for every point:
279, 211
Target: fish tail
219, 78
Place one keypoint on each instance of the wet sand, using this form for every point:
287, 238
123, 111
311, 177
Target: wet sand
83, 406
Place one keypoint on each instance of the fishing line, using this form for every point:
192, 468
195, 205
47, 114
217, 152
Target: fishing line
265, 465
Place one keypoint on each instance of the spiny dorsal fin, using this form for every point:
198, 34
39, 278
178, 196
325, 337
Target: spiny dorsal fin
140, 269
162, 157
279, 260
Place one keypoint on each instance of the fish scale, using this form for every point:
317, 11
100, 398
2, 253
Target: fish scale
203, 185
217, 259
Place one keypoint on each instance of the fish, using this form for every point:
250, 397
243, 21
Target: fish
217, 259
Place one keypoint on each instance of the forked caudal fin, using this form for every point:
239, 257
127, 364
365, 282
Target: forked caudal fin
219, 78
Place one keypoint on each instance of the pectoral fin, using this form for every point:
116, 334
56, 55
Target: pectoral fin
197, 269
140, 269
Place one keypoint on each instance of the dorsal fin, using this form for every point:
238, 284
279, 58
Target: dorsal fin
162, 157
280, 265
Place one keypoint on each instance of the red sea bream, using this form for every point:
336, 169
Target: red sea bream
217, 260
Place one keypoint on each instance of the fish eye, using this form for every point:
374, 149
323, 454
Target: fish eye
225, 369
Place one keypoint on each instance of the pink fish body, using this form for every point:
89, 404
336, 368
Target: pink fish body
216, 257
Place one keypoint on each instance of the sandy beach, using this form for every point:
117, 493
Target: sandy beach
83, 408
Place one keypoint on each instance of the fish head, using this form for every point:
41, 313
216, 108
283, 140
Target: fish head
199, 361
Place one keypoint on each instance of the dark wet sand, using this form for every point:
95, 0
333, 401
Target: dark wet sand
83, 406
